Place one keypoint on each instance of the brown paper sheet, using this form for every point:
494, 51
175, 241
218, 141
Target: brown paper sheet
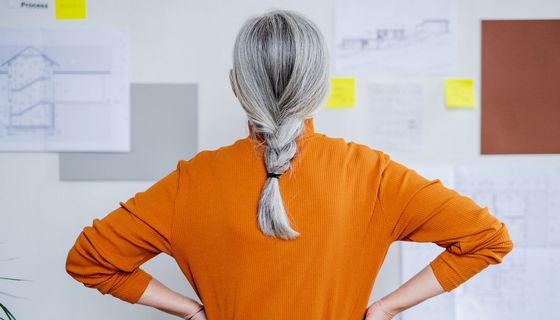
520, 87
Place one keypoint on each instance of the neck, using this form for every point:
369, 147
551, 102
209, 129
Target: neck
308, 128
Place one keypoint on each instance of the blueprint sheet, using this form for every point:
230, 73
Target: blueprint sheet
397, 37
525, 286
63, 90
527, 199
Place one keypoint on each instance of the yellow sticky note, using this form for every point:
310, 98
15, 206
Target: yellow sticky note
459, 93
70, 9
343, 93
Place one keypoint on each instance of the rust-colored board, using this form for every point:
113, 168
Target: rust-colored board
520, 87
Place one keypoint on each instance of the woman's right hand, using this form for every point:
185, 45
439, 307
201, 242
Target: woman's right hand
378, 312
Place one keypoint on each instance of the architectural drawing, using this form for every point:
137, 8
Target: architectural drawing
62, 90
385, 37
524, 198
375, 37
30, 90
527, 199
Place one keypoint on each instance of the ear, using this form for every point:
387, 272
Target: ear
232, 82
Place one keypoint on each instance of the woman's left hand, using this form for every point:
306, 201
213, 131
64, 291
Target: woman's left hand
377, 312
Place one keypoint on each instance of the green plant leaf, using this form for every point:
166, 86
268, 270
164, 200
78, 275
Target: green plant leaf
8, 313
15, 279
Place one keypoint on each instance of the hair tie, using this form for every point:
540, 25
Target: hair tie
273, 175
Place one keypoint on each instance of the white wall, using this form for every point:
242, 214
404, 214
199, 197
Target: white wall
191, 41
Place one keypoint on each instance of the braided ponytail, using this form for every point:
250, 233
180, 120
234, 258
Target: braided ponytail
281, 77
279, 150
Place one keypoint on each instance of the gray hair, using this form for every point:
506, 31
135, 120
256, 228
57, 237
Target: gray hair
280, 75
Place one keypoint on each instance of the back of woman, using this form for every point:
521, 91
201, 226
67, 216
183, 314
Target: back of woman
286, 223
329, 196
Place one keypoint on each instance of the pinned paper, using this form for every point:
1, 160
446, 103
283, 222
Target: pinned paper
459, 93
70, 9
343, 93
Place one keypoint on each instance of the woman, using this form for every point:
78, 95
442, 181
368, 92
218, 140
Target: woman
286, 223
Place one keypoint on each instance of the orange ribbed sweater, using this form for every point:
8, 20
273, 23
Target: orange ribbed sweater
348, 201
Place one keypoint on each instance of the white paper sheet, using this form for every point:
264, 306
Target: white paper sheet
394, 116
525, 286
377, 37
64, 90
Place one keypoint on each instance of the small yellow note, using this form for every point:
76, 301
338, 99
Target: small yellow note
343, 93
70, 9
459, 93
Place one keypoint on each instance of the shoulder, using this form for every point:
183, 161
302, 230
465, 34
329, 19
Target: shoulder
353, 151
209, 157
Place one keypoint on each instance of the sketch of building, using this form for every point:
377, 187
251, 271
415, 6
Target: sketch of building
433, 26
30, 90
390, 33
376, 39
389, 36
399, 37
64, 90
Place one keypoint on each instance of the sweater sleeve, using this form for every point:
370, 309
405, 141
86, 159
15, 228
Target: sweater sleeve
107, 254
422, 210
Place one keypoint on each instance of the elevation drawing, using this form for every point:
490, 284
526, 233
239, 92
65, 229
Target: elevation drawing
63, 90
375, 37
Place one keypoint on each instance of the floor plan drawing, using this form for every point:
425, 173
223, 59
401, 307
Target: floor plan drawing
524, 286
525, 198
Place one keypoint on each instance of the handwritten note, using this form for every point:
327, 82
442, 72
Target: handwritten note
343, 93
70, 9
459, 93
394, 115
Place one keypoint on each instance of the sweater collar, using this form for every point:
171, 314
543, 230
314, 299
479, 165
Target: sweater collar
308, 130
